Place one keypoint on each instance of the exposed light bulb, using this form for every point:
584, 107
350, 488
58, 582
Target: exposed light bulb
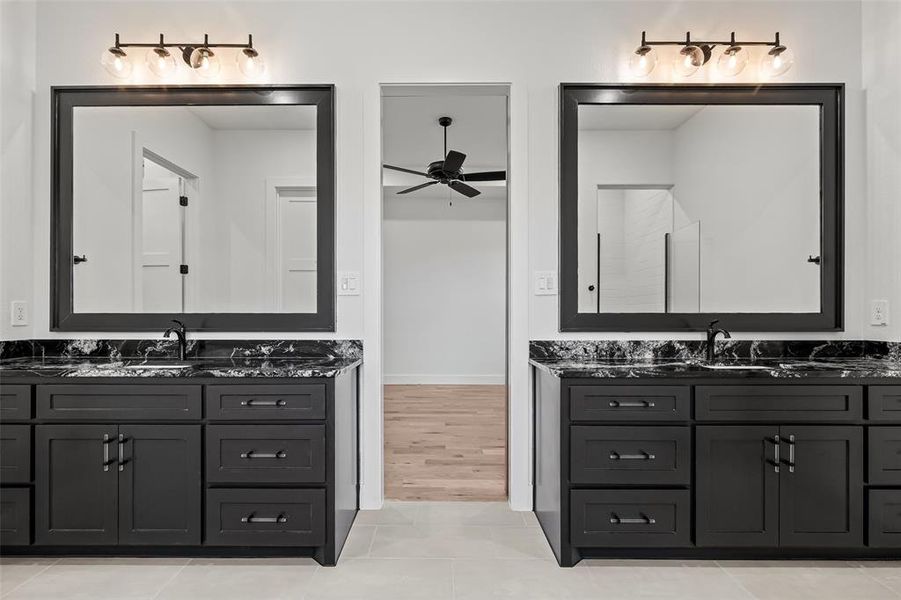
688, 61
204, 62
777, 61
116, 62
643, 61
250, 63
732, 61
161, 62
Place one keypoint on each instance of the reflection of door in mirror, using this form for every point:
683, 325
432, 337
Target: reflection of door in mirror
162, 236
292, 233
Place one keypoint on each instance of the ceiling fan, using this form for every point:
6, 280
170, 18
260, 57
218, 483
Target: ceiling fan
449, 171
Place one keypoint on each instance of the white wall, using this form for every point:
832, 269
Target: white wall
444, 281
882, 87
532, 46
17, 85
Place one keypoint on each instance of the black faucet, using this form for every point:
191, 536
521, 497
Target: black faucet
180, 334
712, 332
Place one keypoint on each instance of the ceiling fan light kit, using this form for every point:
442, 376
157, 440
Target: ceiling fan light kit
449, 171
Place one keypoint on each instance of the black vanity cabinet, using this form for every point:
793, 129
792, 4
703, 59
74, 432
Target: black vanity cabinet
205, 467
705, 468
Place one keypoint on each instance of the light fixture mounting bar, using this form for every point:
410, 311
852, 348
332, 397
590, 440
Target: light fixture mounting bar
690, 42
164, 44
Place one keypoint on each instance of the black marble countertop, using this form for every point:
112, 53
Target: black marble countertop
81, 366
776, 368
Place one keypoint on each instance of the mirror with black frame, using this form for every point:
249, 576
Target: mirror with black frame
211, 205
684, 204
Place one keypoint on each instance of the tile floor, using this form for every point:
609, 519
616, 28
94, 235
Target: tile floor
436, 551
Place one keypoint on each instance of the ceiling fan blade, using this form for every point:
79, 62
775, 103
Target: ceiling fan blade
464, 189
485, 176
453, 161
403, 170
417, 187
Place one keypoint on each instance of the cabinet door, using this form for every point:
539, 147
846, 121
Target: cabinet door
737, 495
75, 484
159, 484
821, 497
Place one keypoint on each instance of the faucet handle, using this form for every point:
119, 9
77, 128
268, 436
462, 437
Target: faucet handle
712, 323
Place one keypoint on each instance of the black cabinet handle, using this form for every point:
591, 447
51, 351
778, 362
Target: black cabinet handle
252, 519
629, 404
257, 402
615, 519
253, 454
614, 455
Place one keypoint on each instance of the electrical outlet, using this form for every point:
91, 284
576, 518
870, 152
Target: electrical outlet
18, 313
879, 312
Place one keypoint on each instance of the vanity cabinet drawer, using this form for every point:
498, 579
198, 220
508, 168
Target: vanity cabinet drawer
15, 453
263, 402
620, 455
15, 403
884, 402
254, 517
884, 455
885, 519
630, 518
15, 516
778, 403
118, 402
265, 453
629, 403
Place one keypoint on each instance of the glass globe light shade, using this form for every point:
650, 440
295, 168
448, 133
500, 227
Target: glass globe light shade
643, 61
732, 61
204, 62
160, 61
688, 61
777, 61
250, 63
116, 62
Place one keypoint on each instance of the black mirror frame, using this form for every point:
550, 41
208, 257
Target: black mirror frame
63, 102
830, 99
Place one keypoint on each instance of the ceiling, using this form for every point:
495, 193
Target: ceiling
412, 138
634, 117
270, 117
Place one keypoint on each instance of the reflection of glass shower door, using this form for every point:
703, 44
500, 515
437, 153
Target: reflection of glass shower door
684, 269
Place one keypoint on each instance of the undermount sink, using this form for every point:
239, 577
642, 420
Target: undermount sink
734, 367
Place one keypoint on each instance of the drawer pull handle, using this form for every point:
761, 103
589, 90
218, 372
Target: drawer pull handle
775, 441
614, 455
791, 454
642, 520
253, 454
122, 459
107, 440
252, 519
631, 404
257, 402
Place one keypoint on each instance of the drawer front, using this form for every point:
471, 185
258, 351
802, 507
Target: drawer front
885, 519
629, 403
884, 455
15, 453
265, 453
778, 403
118, 402
15, 403
884, 402
15, 517
630, 455
254, 517
264, 402
630, 518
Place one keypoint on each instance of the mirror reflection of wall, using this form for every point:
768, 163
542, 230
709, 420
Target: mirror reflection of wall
247, 236
694, 208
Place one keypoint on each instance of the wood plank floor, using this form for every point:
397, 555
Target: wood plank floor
445, 442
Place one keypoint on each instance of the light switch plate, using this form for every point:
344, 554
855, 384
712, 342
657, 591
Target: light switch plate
545, 283
879, 312
349, 283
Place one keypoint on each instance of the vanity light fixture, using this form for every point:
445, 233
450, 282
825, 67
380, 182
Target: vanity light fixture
695, 54
199, 56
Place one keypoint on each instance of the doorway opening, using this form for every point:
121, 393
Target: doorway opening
444, 292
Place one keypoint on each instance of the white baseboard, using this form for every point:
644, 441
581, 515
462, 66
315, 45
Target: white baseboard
443, 379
